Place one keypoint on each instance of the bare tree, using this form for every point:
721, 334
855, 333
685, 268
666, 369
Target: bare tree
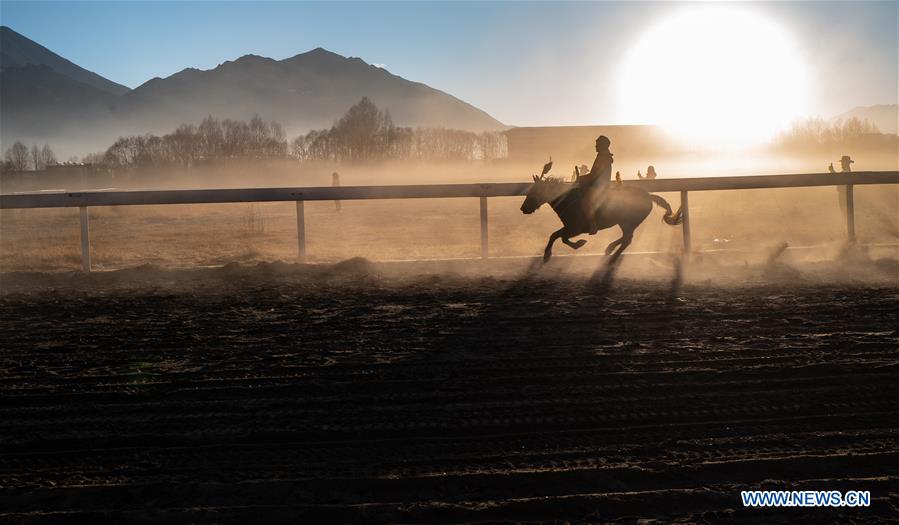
47, 157
211, 138
816, 132
94, 158
36, 158
17, 156
365, 133
189, 144
180, 148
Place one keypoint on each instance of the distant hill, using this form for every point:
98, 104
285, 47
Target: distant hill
309, 90
46, 98
17, 51
39, 105
884, 116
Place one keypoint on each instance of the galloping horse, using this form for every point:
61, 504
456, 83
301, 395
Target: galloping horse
625, 206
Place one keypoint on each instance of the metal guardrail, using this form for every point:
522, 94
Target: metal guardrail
86, 199
419, 191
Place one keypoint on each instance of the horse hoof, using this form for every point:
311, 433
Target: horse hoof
579, 243
546, 258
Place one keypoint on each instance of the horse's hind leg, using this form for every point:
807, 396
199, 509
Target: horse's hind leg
624, 241
627, 235
613, 244
573, 245
548, 252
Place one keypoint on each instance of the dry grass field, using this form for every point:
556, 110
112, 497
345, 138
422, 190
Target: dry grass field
204, 235
209, 235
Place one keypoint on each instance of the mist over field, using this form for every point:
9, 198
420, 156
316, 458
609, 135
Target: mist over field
440, 228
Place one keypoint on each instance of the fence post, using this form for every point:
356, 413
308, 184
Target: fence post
850, 213
685, 210
483, 227
301, 233
85, 240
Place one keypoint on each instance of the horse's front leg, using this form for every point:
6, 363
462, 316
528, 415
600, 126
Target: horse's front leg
548, 252
573, 245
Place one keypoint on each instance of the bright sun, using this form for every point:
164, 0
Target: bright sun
715, 76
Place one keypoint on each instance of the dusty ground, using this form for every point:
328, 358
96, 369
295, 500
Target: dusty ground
364, 392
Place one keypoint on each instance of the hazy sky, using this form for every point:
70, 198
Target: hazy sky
528, 63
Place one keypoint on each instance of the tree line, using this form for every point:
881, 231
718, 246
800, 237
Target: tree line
817, 133
19, 157
189, 144
363, 133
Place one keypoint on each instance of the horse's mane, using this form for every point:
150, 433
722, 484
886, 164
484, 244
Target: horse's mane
554, 180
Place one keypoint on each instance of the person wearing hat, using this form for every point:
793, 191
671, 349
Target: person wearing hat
845, 162
845, 167
595, 183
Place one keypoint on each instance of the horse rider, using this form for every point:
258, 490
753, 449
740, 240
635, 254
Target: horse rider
594, 184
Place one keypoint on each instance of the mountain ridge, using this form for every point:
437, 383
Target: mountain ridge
884, 116
17, 50
309, 90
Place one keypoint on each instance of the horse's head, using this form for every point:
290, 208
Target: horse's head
543, 190
536, 196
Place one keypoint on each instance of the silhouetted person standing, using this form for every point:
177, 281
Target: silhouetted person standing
595, 184
650, 173
845, 162
335, 181
845, 167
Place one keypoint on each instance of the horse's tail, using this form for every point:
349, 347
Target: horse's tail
670, 218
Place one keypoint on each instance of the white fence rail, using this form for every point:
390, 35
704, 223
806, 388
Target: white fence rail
86, 199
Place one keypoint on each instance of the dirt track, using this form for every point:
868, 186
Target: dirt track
351, 398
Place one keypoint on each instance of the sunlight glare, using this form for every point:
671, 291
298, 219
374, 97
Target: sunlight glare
716, 77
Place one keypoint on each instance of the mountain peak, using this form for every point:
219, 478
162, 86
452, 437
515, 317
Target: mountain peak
318, 54
249, 60
322, 51
307, 91
253, 58
17, 50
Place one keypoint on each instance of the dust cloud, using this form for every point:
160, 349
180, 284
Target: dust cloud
737, 228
